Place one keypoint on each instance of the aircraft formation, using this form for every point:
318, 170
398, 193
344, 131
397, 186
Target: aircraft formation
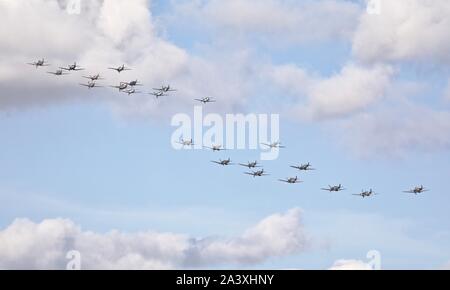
126, 87
254, 168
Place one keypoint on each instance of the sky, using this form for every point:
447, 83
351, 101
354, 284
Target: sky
362, 93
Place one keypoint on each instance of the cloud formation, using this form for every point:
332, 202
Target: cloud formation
28, 245
105, 34
397, 130
350, 265
405, 30
275, 22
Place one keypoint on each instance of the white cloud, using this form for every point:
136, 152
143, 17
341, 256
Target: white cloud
405, 30
350, 265
397, 130
28, 245
350, 91
447, 91
274, 21
106, 33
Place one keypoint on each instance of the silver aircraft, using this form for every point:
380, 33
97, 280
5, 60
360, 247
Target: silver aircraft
216, 148
39, 63
304, 167
158, 94
365, 193
59, 72
250, 165
96, 77
121, 86
223, 162
91, 85
417, 190
205, 100
291, 180
335, 188
186, 142
133, 83
258, 173
72, 67
165, 89
131, 92
274, 145
120, 68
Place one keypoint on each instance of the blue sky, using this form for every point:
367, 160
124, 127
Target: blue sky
90, 162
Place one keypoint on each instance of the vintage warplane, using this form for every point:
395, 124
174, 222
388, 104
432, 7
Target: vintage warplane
96, 77
417, 190
274, 145
365, 193
133, 83
304, 167
39, 63
335, 188
205, 100
158, 94
165, 89
91, 85
58, 72
120, 68
216, 148
250, 165
186, 142
258, 173
72, 67
223, 162
131, 91
291, 180
121, 86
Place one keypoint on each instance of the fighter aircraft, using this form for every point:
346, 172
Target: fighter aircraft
165, 89
365, 193
133, 83
416, 190
258, 173
131, 92
223, 162
274, 145
72, 67
216, 148
186, 142
291, 180
205, 100
91, 85
250, 165
304, 167
94, 77
120, 68
158, 94
121, 86
335, 188
39, 63
59, 72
